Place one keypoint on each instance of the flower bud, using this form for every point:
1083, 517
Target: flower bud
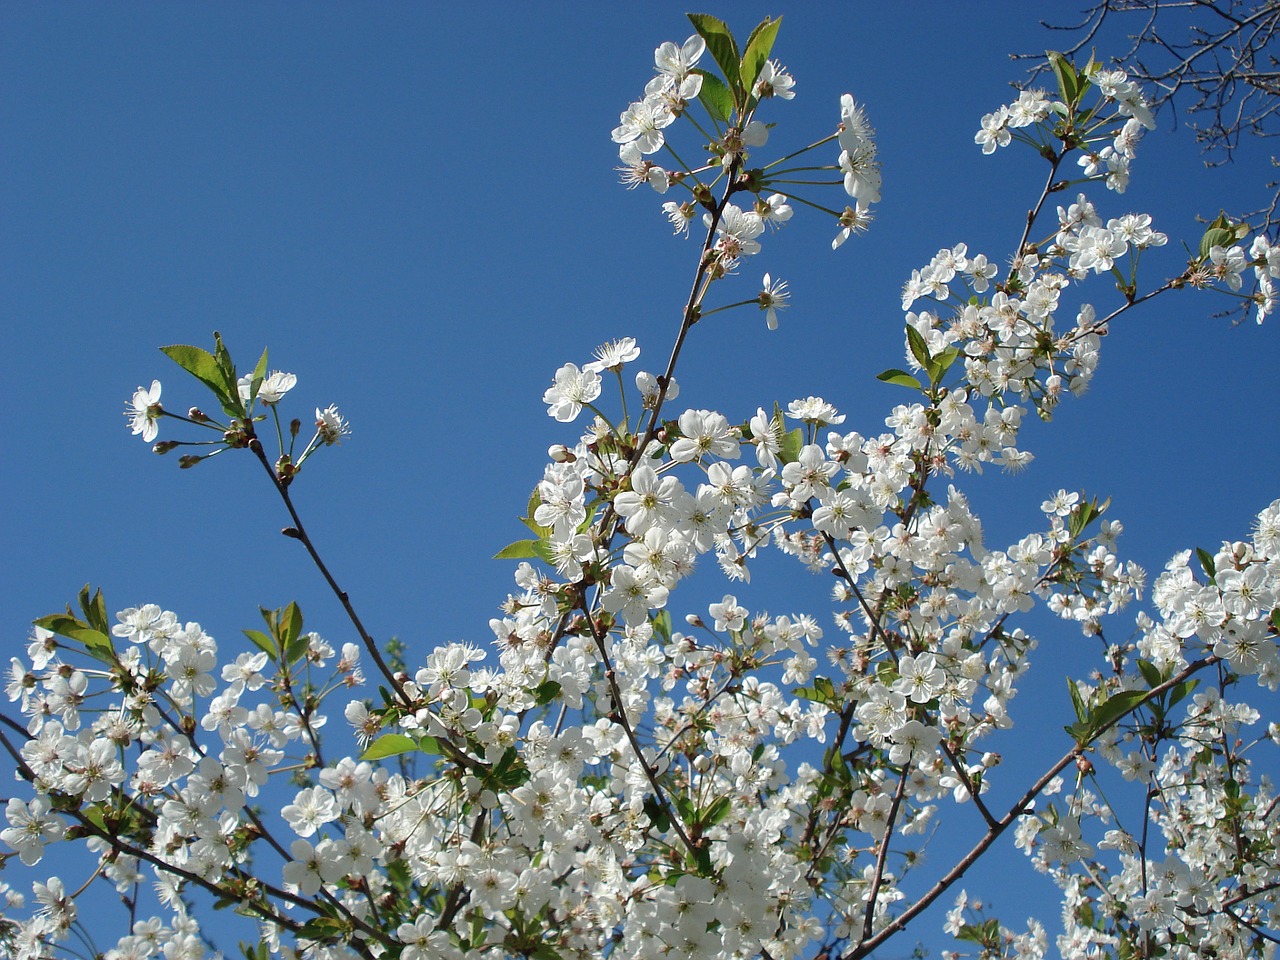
559, 453
164, 446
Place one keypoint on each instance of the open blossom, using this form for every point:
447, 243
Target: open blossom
852, 220
31, 826
678, 62
680, 215
994, 132
330, 425
636, 170
738, 230
773, 297
571, 390
272, 389
143, 412
642, 123
774, 81
612, 355
858, 153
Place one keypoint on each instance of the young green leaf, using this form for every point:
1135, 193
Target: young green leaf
545, 692
263, 643
715, 813
919, 349
1220, 233
1077, 702
389, 745
1111, 710
722, 46
662, 625
792, 444
518, 550
759, 46
1069, 81
899, 377
657, 814
95, 641
200, 363
942, 363
715, 96
95, 610
259, 374
1206, 561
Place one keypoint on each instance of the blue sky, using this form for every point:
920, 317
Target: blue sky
414, 207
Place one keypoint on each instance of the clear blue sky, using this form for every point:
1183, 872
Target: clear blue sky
414, 207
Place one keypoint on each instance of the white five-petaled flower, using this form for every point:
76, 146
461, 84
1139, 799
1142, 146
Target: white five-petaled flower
773, 297
144, 410
571, 389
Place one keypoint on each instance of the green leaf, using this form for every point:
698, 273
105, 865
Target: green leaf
792, 444
535, 501
389, 745
95, 610
323, 930
1182, 690
943, 362
1069, 80
722, 46
430, 746
95, 641
1150, 673
519, 550
545, 692
657, 814
716, 812
94, 815
1084, 514
662, 625
202, 365
1115, 707
702, 860
1077, 702
919, 349
715, 96
292, 640
264, 643
759, 46
1214, 238
1206, 561
899, 377
1221, 233
259, 374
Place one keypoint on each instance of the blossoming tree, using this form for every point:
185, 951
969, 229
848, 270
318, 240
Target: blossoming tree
604, 778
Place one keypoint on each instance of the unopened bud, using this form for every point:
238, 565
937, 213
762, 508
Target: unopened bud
196, 414
164, 446
693, 620
292, 533
295, 425
188, 461
559, 453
